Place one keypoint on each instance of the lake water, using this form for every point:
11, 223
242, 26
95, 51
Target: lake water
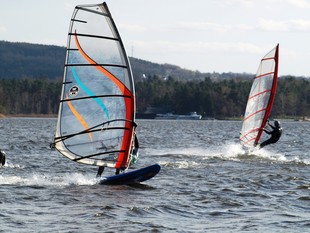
207, 182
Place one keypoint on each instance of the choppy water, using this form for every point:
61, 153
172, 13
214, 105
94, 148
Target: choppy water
207, 182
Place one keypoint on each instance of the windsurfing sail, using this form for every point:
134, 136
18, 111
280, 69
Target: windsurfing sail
260, 99
96, 118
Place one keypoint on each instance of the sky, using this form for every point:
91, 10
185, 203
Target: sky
203, 35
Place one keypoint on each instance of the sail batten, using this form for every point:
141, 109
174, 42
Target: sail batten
97, 107
263, 75
106, 65
93, 36
64, 137
260, 99
97, 96
77, 20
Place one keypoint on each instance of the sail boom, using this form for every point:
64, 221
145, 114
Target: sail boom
102, 153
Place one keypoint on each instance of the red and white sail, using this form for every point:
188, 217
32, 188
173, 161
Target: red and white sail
260, 99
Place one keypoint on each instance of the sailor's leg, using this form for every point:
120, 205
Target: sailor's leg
265, 143
100, 171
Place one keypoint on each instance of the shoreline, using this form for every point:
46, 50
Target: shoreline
296, 118
29, 115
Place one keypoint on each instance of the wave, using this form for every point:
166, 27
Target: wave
185, 157
66, 179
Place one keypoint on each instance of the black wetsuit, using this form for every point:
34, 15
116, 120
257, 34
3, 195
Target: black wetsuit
2, 158
275, 136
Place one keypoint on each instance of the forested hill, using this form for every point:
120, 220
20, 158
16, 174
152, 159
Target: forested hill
31, 79
24, 60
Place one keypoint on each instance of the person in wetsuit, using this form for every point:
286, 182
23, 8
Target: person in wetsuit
275, 134
2, 158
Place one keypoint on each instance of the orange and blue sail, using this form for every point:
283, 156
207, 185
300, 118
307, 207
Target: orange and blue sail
97, 107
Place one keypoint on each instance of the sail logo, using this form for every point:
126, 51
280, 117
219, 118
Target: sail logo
74, 91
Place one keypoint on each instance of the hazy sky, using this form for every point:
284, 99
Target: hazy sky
203, 35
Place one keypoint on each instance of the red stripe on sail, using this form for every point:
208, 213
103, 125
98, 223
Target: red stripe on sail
251, 131
259, 94
262, 75
123, 157
261, 110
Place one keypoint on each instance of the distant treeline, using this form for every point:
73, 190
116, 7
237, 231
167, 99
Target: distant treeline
29, 96
216, 99
221, 99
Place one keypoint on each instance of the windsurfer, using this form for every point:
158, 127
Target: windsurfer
2, 158
275, 134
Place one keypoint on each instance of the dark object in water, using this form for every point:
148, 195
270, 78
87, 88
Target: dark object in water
2, 157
